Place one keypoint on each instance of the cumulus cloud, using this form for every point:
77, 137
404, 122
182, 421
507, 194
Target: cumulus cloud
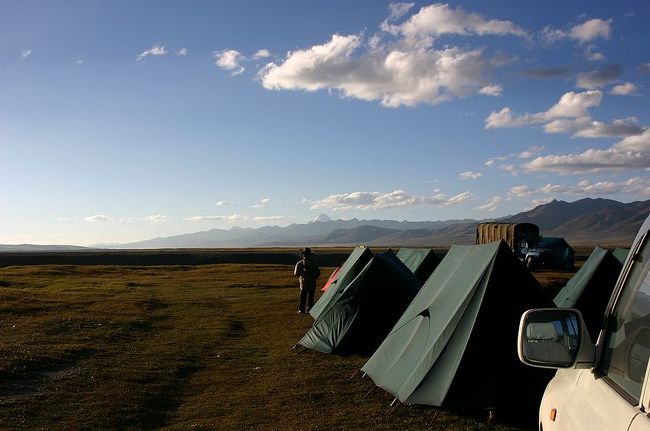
625, 89
491, 205
570, 105
587, 31
635, 185
182, 52
592, 55
439, 19
227, 218
469, 175
379, 200
262, 53
592, 29
230, 60
633, 152
569, 115
155, 51
399, 67
25, 53
99, 218
598, 78
491, 90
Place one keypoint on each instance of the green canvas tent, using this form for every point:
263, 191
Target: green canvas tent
421, 261
359, 257
455, 345
590, 288
359, 319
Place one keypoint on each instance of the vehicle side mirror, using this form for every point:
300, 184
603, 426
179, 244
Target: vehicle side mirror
555, 338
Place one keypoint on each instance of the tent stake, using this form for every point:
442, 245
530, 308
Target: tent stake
369, 392
352, 376
364, 376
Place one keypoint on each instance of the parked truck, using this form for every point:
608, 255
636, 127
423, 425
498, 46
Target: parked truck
520, 237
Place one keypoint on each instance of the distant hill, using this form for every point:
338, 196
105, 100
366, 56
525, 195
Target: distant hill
30, 248
583, 222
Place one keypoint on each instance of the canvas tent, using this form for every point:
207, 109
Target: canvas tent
590, 288
421, 261
359, 318
359, 257
455, 345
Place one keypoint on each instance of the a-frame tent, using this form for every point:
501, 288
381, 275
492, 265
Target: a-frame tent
332, 279
359, 257
421, 261
455, 345
590, 288
359, 319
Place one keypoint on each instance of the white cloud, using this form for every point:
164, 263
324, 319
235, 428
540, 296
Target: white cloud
569, 115
439, 19
270, 218
583, 33
227, 218
531, 152
262, 53
590, 30
156, 50
633, 152
156, 218
25, 53
266, 200
469, 175
78, 60
97, 218
398, 10
491, 204
182, 52
229, 60
379, 200
625, 89
644, 68
635, 185
592, 55
570, 105
399, 67
491, 90
223, 203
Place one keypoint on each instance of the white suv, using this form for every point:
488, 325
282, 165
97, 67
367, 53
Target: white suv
605, 386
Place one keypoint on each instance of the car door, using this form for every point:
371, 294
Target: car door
623, 367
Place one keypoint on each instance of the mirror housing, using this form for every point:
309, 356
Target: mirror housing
555, 338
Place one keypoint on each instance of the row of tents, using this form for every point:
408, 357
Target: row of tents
442, 331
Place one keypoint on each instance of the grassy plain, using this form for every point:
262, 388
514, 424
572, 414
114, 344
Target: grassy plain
181, 347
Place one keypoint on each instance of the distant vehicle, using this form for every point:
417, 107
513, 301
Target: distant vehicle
520, 237
605, 386
524, 240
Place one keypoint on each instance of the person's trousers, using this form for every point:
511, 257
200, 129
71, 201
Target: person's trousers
306, 298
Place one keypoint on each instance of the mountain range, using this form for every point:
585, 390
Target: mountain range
583, 222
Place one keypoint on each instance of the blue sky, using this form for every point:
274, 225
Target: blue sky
122, 121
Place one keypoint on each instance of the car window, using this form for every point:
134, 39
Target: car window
627, 336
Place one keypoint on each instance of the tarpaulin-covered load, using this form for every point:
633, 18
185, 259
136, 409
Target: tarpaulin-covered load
590, 288
518, 236
359, 319
349, 270
455, 345
421, 261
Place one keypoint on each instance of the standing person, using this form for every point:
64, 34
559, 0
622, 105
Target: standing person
307, 272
